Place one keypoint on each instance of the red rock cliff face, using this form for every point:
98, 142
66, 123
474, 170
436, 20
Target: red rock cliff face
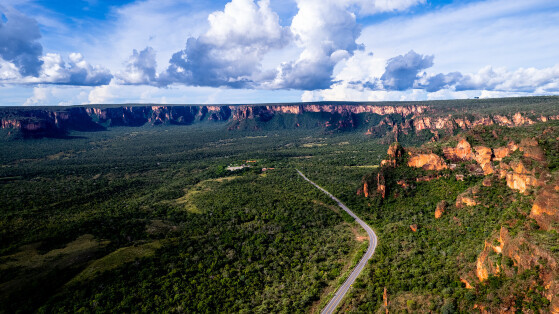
380, 110
483, 156
11, 124
519, 178
463, 151
427, 162
412, 118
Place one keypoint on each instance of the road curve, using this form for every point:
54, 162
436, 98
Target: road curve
339, 295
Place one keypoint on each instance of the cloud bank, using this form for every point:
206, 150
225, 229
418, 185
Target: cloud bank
230, 53
321, 51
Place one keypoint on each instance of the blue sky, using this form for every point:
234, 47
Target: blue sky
246, 51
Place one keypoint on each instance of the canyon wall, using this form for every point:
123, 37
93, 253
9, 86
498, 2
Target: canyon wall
375, 120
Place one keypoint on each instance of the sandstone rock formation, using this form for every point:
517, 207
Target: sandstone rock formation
546, 207
501, 152
486, 263
427, 162
524, 255
465, 282
381, 184
398, 119
385, 299
403, 184
395, 154
441, 207
520, 178
466, 198
505, 151
463, 151
503, 169
531, 149
512, 146
483, 156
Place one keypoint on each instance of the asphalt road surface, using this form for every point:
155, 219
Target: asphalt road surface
339, 295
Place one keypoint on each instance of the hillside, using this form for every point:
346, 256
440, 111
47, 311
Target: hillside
467, 223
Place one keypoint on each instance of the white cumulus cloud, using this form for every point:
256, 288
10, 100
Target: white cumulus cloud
231, 51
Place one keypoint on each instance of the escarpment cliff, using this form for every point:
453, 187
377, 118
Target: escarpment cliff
54, 121
394, 121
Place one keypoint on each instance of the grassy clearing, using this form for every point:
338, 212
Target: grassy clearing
116, 259
188, 200
311, 145
364, 166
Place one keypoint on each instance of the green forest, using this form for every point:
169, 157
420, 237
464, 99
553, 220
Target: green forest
150, 219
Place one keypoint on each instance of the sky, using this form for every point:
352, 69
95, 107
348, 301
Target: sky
265, 51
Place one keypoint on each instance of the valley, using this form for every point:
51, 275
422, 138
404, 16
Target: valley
102, 214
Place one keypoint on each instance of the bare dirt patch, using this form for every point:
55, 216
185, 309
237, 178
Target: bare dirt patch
359, 233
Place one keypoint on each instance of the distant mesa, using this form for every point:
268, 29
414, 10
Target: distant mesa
390, 120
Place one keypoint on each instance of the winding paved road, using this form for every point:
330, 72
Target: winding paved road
339, 295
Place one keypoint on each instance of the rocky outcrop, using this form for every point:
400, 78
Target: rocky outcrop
467, 198
441, 207
503, 169
356, 109
512, 146
505, 151
385, 299
450, 122
520, 178
531, 149
381, 184
403, 184
395, 155
427, 162
433, 123
336, 115
463, 151
520, 119
523, 255
501, 152
486, 263
483, 156
466, 283
546, 207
